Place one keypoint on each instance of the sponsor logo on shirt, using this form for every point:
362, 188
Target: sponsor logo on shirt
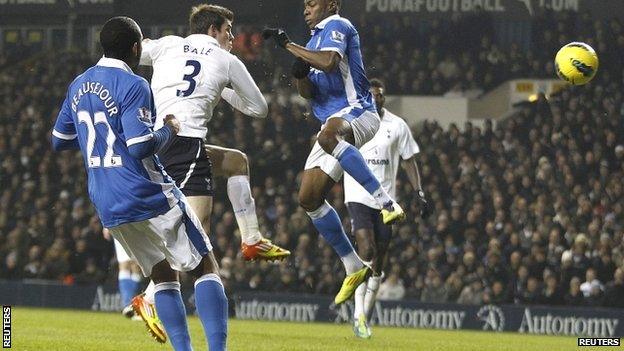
378, 161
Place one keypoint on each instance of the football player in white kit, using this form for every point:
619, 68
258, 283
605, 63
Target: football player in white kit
191, 75
392, 140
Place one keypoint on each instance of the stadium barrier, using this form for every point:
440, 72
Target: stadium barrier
590, 322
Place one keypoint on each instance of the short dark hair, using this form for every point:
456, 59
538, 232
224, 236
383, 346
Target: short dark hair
204, 16
377, 83
118, 36
337, 4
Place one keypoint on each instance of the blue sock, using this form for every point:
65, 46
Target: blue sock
327, 222
126, 285
354, 164
134, 287
172, 313
212, 307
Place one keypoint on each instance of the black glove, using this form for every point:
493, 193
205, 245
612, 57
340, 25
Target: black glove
278, 34
300, 69
425, 207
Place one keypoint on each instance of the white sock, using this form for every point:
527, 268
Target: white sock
124, 274
239, 192
352, 262
359, 301
372, 286
149, 292
136, 277
381, 196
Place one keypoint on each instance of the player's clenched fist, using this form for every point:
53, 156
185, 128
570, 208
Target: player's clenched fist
172, 122
278, 34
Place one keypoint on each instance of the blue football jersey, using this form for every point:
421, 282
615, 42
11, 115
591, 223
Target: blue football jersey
347, 86
108, 108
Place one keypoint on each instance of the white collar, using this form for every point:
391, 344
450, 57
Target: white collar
322, 23
115, 63
211, 40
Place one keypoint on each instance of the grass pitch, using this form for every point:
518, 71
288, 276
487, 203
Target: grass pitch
55, 329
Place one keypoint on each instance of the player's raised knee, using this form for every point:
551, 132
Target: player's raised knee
309, 201
328, 139
235, 163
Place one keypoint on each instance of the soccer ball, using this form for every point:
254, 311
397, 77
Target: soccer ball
576, 63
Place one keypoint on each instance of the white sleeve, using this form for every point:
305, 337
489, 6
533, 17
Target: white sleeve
407, 145
149, 52
246, 96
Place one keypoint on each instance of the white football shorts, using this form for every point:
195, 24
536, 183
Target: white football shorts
176, 236
120, 253
364, 128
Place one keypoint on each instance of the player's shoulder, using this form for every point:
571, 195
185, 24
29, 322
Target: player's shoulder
133, 84
341, 22
396, 120
163, 41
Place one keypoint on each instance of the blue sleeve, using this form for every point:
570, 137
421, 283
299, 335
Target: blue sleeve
64, 135
150, 147
136, 114
59, 144
335, 36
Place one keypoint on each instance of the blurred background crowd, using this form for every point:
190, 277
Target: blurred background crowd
527, 210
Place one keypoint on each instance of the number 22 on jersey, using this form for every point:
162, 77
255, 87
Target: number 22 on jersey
109, 159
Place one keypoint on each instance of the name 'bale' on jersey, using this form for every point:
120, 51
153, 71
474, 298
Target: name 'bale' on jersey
347, 86
108, 108
392, 140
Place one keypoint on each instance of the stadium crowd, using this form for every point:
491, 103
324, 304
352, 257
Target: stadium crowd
529, 210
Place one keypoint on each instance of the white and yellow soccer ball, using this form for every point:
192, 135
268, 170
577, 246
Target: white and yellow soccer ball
576, 63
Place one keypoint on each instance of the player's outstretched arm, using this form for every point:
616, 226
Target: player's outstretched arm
157, 140
246, 96
325, 61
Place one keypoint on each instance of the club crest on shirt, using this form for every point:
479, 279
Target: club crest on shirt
145, 116
337, 36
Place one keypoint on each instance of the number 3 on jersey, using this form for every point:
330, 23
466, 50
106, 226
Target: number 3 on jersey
190, 78
110, 159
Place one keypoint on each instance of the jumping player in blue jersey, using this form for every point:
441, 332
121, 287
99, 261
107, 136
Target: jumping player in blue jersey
330, 72
108, 115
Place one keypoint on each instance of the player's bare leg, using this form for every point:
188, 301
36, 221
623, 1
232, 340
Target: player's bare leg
367, 250
202, 206
337, 139
234, 165
372, 285
315, 185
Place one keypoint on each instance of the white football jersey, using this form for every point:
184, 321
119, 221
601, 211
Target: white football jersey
393, 140
191, 75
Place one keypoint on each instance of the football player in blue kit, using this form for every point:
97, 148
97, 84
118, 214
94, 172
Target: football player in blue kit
330, 73
108, 115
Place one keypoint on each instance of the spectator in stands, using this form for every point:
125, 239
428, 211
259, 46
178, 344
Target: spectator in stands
574, 297
614, 295
391, 289
551, 294
435, 290
590, 282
